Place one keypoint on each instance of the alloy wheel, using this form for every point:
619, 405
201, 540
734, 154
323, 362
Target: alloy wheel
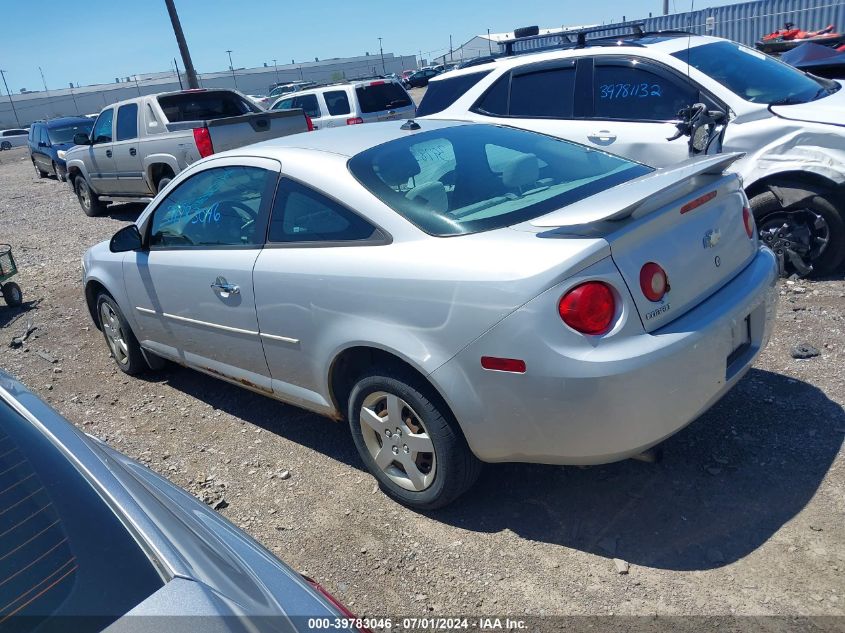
398, 441
114, 333
798, 238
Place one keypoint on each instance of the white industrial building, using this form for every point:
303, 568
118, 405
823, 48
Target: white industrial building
37, 105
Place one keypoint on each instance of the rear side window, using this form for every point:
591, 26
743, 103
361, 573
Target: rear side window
441, 94
495, 100
548, 93
625, 92
309, 104
382, 96
63, 550
127, 122
204, 106
301, 214
284, 104
337, 101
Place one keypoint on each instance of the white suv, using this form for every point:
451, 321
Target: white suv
351, 103
623, 96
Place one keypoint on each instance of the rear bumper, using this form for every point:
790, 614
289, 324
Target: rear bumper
626, 395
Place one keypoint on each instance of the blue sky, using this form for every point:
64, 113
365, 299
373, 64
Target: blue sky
98, 40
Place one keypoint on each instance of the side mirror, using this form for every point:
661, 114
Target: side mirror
81, 138
42, 144
126, 239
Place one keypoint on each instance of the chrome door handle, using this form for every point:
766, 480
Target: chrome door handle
602, 135
222, 286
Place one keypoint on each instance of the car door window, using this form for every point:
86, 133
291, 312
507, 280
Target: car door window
285, 104
103, 126
337, 102
301, 214
546, 93
623, 91
43, 137
220, 207
127, 122
309, 104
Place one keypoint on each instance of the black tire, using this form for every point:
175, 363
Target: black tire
5, 145
162, 183
12, 294
131, 361
38, 172
60, 175
457, 468
88, 200
769, 214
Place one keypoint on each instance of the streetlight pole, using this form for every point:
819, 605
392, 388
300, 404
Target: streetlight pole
276, 66
489, 42
232, 68
383, 69
190, 73
450, 48
11, 103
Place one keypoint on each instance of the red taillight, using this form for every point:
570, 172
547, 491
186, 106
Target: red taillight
203, 140
588, 308
377, 83
337, 603
356, 120
748, 221
309, 123
512, 365
653, 281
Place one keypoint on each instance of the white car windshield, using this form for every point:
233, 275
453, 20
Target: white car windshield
472, 178
755, 76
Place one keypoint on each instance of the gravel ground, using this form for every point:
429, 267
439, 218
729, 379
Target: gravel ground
744, 515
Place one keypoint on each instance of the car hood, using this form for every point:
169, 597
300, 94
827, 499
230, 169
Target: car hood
825, 110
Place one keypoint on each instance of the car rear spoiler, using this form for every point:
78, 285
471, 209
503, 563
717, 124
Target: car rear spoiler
640, 196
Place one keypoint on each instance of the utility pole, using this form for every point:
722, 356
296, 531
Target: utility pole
47, 90
383, 69
665, 7
190, 73
276, 66
450, 49
232, 68
11, 103
73, 96
489, 42
178, 76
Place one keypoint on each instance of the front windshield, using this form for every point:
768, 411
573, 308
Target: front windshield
753, 75
65, 133
472, 178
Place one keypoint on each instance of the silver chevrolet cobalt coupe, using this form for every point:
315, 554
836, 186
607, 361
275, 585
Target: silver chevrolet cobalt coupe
460, 293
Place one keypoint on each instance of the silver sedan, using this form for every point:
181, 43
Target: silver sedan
459, 293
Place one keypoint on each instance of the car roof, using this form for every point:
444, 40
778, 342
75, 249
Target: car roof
634, 46
347, 140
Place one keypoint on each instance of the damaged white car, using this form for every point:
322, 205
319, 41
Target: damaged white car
623, 95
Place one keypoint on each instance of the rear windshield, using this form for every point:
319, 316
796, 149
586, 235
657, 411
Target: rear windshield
472, 178
63, 551
204, 106
443, 93
382, 96
754, 76
65, 133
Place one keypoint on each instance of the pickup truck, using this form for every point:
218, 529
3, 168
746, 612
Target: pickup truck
137, 146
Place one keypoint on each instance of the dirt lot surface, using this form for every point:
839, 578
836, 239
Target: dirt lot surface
744, 515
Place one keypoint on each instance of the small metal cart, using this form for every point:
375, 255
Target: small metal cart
11, 291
